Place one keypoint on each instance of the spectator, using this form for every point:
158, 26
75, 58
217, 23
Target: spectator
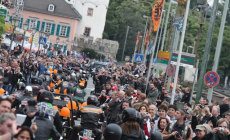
8, 126
5, 105
225, 106
162, 124
171, 113
186, 96
25, 133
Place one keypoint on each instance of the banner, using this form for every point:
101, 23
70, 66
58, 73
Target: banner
146, 37
156, 13
138, 38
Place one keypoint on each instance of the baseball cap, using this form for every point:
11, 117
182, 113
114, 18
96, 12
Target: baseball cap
201, 127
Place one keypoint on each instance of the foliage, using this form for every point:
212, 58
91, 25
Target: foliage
2, 25
90, 53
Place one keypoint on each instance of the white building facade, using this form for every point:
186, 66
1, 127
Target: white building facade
93, 14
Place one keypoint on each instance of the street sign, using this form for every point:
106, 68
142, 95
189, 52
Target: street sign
170, 70
186, 58
211, 79
142, 67
42, 40
138, 58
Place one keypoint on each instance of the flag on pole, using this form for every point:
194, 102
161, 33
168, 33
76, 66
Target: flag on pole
146, 37
138, 38
156, 13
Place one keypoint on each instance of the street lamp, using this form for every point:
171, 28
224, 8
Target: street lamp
41, 41
34, 30
25, 28
15, 22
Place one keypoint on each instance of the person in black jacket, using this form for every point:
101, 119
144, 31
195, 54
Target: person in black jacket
186, 96
225, 106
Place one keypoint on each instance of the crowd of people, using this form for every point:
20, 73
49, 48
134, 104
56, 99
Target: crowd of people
122, 106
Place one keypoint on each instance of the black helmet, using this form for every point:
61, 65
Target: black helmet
156, 136
130, 114
45, 96
36, 80
112, 132
92, 100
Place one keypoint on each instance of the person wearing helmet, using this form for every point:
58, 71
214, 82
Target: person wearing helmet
79, 91
131, 119
45, 98
90, 117
112, 132
156, 136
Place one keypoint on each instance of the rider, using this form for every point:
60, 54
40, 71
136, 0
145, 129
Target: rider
90, 117
79, 91
131, 119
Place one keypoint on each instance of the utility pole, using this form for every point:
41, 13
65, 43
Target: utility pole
206, 52
152, 55
143, 40
218, 47
127, 32
194, 80
166, 25
162, 26
180, 51
202, 17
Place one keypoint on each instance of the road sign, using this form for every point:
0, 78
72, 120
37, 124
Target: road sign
170, 70
211, 79
138, 58
186, 58
142, 67
42, 40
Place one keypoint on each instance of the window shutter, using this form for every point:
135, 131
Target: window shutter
43, 26
28, 21
68, 31
58, 30
11, 18
64, 49
21, 22
52, 29
38, 25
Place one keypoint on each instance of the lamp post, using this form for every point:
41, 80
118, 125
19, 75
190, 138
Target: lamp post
41, 41
15, 22
25, 28
34, 30
57, 42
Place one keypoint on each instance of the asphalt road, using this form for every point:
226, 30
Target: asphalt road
90, 87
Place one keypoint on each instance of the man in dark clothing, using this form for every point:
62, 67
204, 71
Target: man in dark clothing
225, 106
186, 96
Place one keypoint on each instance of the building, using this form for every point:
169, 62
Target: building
93, 17
55, 17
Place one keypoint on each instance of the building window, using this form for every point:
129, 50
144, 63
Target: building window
63, 30
51, 8
90, 12
87, 31
48, 27
33, 24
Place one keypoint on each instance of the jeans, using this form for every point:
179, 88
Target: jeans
28, 77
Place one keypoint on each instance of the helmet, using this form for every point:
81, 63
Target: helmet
130, 114
156, 136
21, 86
55, 71
65, 112
29, 90
55, 107
50, 69
36, 80
73, 103
46, 96
92, 100
2, 91
112, 132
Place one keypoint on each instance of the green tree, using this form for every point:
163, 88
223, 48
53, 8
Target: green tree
2, 25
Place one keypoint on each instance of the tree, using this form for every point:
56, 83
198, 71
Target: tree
2, 25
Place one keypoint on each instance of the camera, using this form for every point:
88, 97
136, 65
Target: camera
221, 129
178, 135
201, 106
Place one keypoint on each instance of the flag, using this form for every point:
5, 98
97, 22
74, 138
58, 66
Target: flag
138, 38
146, 37
150, 47
156, 13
